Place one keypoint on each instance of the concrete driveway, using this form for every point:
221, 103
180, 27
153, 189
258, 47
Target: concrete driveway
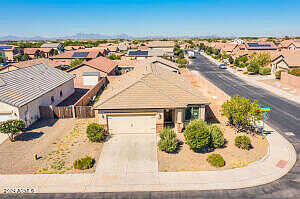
126, 154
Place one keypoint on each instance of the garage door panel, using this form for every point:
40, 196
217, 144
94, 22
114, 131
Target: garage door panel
137, 124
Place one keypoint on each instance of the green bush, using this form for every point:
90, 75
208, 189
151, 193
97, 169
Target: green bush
265, 71
295, 71
197, 135
168, 145
167, 133
95, 132
12, 128
242, 142
216, 160
83, 163
217, 137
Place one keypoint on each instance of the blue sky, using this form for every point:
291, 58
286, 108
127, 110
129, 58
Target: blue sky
152, 17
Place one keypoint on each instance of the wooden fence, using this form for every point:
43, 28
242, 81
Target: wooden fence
49, 112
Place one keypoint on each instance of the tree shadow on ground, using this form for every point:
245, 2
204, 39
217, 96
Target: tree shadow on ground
42, 123
27, 136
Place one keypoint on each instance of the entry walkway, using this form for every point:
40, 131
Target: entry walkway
128, 164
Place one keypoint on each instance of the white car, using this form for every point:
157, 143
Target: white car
222, 66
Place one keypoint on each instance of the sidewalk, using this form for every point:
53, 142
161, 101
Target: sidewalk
280, 159
253, 81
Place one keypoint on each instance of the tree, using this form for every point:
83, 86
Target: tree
25, 57
55, 52
76, 62
11, 128
182, 62
1, 60
17, 58
114, 57
242, 112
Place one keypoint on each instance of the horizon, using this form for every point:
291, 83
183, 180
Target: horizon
149, 19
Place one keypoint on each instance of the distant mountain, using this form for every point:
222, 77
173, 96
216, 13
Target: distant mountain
85, 36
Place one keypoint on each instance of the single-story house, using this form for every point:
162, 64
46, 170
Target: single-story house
86, 54
261, 46
32, 52
88, 72
285, 44
68, 48
57, 46
286, 60
144, 54
166, 46
147, 99
294, 46
23, 91
24, 64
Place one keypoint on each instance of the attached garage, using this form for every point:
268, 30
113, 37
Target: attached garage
131, 124
5, 117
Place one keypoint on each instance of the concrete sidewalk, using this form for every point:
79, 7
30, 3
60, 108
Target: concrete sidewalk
253, 81
280, 159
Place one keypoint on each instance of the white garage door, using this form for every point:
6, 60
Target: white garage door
4, 117
133, 124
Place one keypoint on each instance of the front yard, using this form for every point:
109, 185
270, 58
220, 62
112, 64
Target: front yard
56, 143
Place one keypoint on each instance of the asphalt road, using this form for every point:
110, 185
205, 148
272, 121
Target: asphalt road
285, 117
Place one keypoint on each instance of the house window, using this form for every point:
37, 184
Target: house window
191, 113
52, 99
61, 94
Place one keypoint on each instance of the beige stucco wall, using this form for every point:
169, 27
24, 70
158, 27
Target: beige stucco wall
30, 112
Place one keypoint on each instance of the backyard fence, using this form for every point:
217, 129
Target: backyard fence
49, 112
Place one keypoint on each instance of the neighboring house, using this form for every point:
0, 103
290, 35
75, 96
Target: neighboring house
9, 51
143, 48
285, 44
57, 46
48, 52
237, 41
286, 60
68, 48
260, 46
91, 70
24, 64
33, 52
23, 91
126, 65
86, 54
113, 49
122, 47
229, 48
147, 99
166, 46
294, 46
144, 54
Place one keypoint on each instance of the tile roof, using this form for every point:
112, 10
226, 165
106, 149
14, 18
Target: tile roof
19, 87
260, 46
154, 60
126, 62
286, 43
91, 54
102, 64
291, 57
158, 44
32, 62
74, 47
30, 51
46, 50
229, 47
297, 44
149, 87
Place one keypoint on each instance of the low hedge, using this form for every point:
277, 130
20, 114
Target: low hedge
295, 71
168, 145
265, 71
95, 132
242, 142
167, 133
83, 163
216, 160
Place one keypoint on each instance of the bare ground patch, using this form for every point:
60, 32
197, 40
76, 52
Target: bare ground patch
56, 143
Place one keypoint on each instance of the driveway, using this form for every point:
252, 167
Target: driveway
126, 154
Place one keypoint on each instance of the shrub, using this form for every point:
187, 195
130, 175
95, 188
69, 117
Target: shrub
217, 137
278, 74
295, 71
83, 163
95, 132
216, 160
265, 71
167, 133
197, 135
242, 142
168, 145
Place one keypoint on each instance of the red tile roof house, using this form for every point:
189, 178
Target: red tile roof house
286, 43
294, 46
90, 72
86, 54
32, 52
68, 48
285, 60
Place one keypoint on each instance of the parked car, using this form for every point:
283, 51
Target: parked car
191, 54
222, 66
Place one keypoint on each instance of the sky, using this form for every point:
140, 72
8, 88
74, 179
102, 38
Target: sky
49, 18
